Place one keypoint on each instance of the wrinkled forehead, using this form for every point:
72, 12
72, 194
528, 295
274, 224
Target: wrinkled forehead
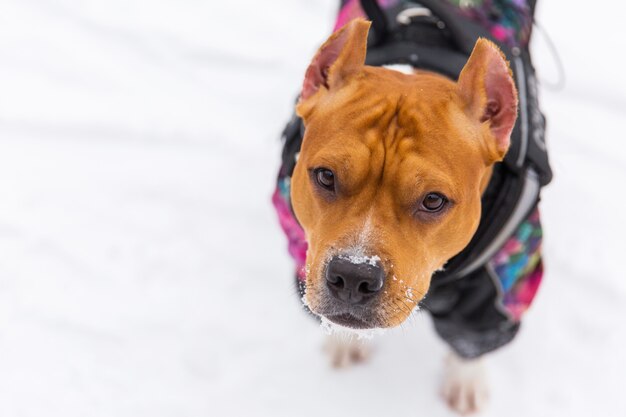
351, 113
416, 102
421, 116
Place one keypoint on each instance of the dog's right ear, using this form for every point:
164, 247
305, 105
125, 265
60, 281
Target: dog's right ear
339, 58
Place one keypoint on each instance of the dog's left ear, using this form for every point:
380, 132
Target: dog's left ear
486, 86
339, 58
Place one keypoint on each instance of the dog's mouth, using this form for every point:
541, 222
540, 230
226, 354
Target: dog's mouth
349, 320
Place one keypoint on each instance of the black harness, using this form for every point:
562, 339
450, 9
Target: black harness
431, 35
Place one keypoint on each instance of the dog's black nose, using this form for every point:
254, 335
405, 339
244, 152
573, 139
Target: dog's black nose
353, 282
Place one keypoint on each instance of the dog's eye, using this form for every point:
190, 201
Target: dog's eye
325, 178
434, 202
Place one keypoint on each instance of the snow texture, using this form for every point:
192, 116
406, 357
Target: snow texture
142, 269
361, 259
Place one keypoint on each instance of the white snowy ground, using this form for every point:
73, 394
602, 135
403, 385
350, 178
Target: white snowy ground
143, 273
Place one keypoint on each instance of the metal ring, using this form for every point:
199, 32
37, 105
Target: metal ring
405, 16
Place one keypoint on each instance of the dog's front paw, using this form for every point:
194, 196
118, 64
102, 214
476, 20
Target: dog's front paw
345, 350
465, 385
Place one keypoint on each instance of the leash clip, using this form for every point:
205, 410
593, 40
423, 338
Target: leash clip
406, 16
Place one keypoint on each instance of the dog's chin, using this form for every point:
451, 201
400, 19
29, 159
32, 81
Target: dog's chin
350, 326
350, 321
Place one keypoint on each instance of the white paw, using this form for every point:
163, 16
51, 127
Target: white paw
465, 385
346, 350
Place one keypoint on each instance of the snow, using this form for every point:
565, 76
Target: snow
361, 259
142, 269
409, 294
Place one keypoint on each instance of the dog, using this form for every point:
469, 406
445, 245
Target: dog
389, 186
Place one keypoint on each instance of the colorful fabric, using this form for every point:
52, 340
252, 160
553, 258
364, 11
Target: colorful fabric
297, 244
508, 21
518, 266
351, 9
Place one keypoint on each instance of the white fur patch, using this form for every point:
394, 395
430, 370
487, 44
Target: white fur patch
403, 68
357, 252
345, 352
465, 385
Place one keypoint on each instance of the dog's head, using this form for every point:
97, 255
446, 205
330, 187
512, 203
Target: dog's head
388, 182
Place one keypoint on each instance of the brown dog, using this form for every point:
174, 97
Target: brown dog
389, 180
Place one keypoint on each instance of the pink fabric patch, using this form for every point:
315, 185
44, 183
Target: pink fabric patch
501, 33
295, 235
352, 9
